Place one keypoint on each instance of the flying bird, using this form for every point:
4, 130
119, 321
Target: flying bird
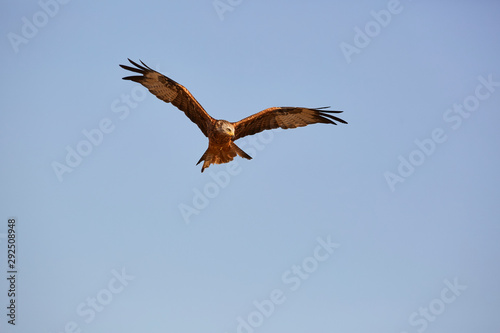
222, 133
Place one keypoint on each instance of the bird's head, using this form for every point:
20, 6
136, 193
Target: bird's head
225, 127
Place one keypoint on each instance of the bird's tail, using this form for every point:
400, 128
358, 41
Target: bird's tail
220, 155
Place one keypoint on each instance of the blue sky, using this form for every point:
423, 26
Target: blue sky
387, 224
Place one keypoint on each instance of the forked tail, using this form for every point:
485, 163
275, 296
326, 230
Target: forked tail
221, 154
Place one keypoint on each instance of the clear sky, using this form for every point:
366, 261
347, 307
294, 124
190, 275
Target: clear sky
387, 224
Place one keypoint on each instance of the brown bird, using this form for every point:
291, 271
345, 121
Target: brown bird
222, 133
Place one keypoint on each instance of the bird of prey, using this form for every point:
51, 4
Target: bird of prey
221, 133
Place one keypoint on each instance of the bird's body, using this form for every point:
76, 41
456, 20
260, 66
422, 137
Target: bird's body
222, 133
221, 148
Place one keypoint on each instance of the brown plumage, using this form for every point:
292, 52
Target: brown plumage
221, 133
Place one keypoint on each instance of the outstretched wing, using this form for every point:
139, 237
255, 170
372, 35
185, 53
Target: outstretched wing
170, 91
284, 117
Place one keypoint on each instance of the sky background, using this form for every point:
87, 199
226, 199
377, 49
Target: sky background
407, 192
